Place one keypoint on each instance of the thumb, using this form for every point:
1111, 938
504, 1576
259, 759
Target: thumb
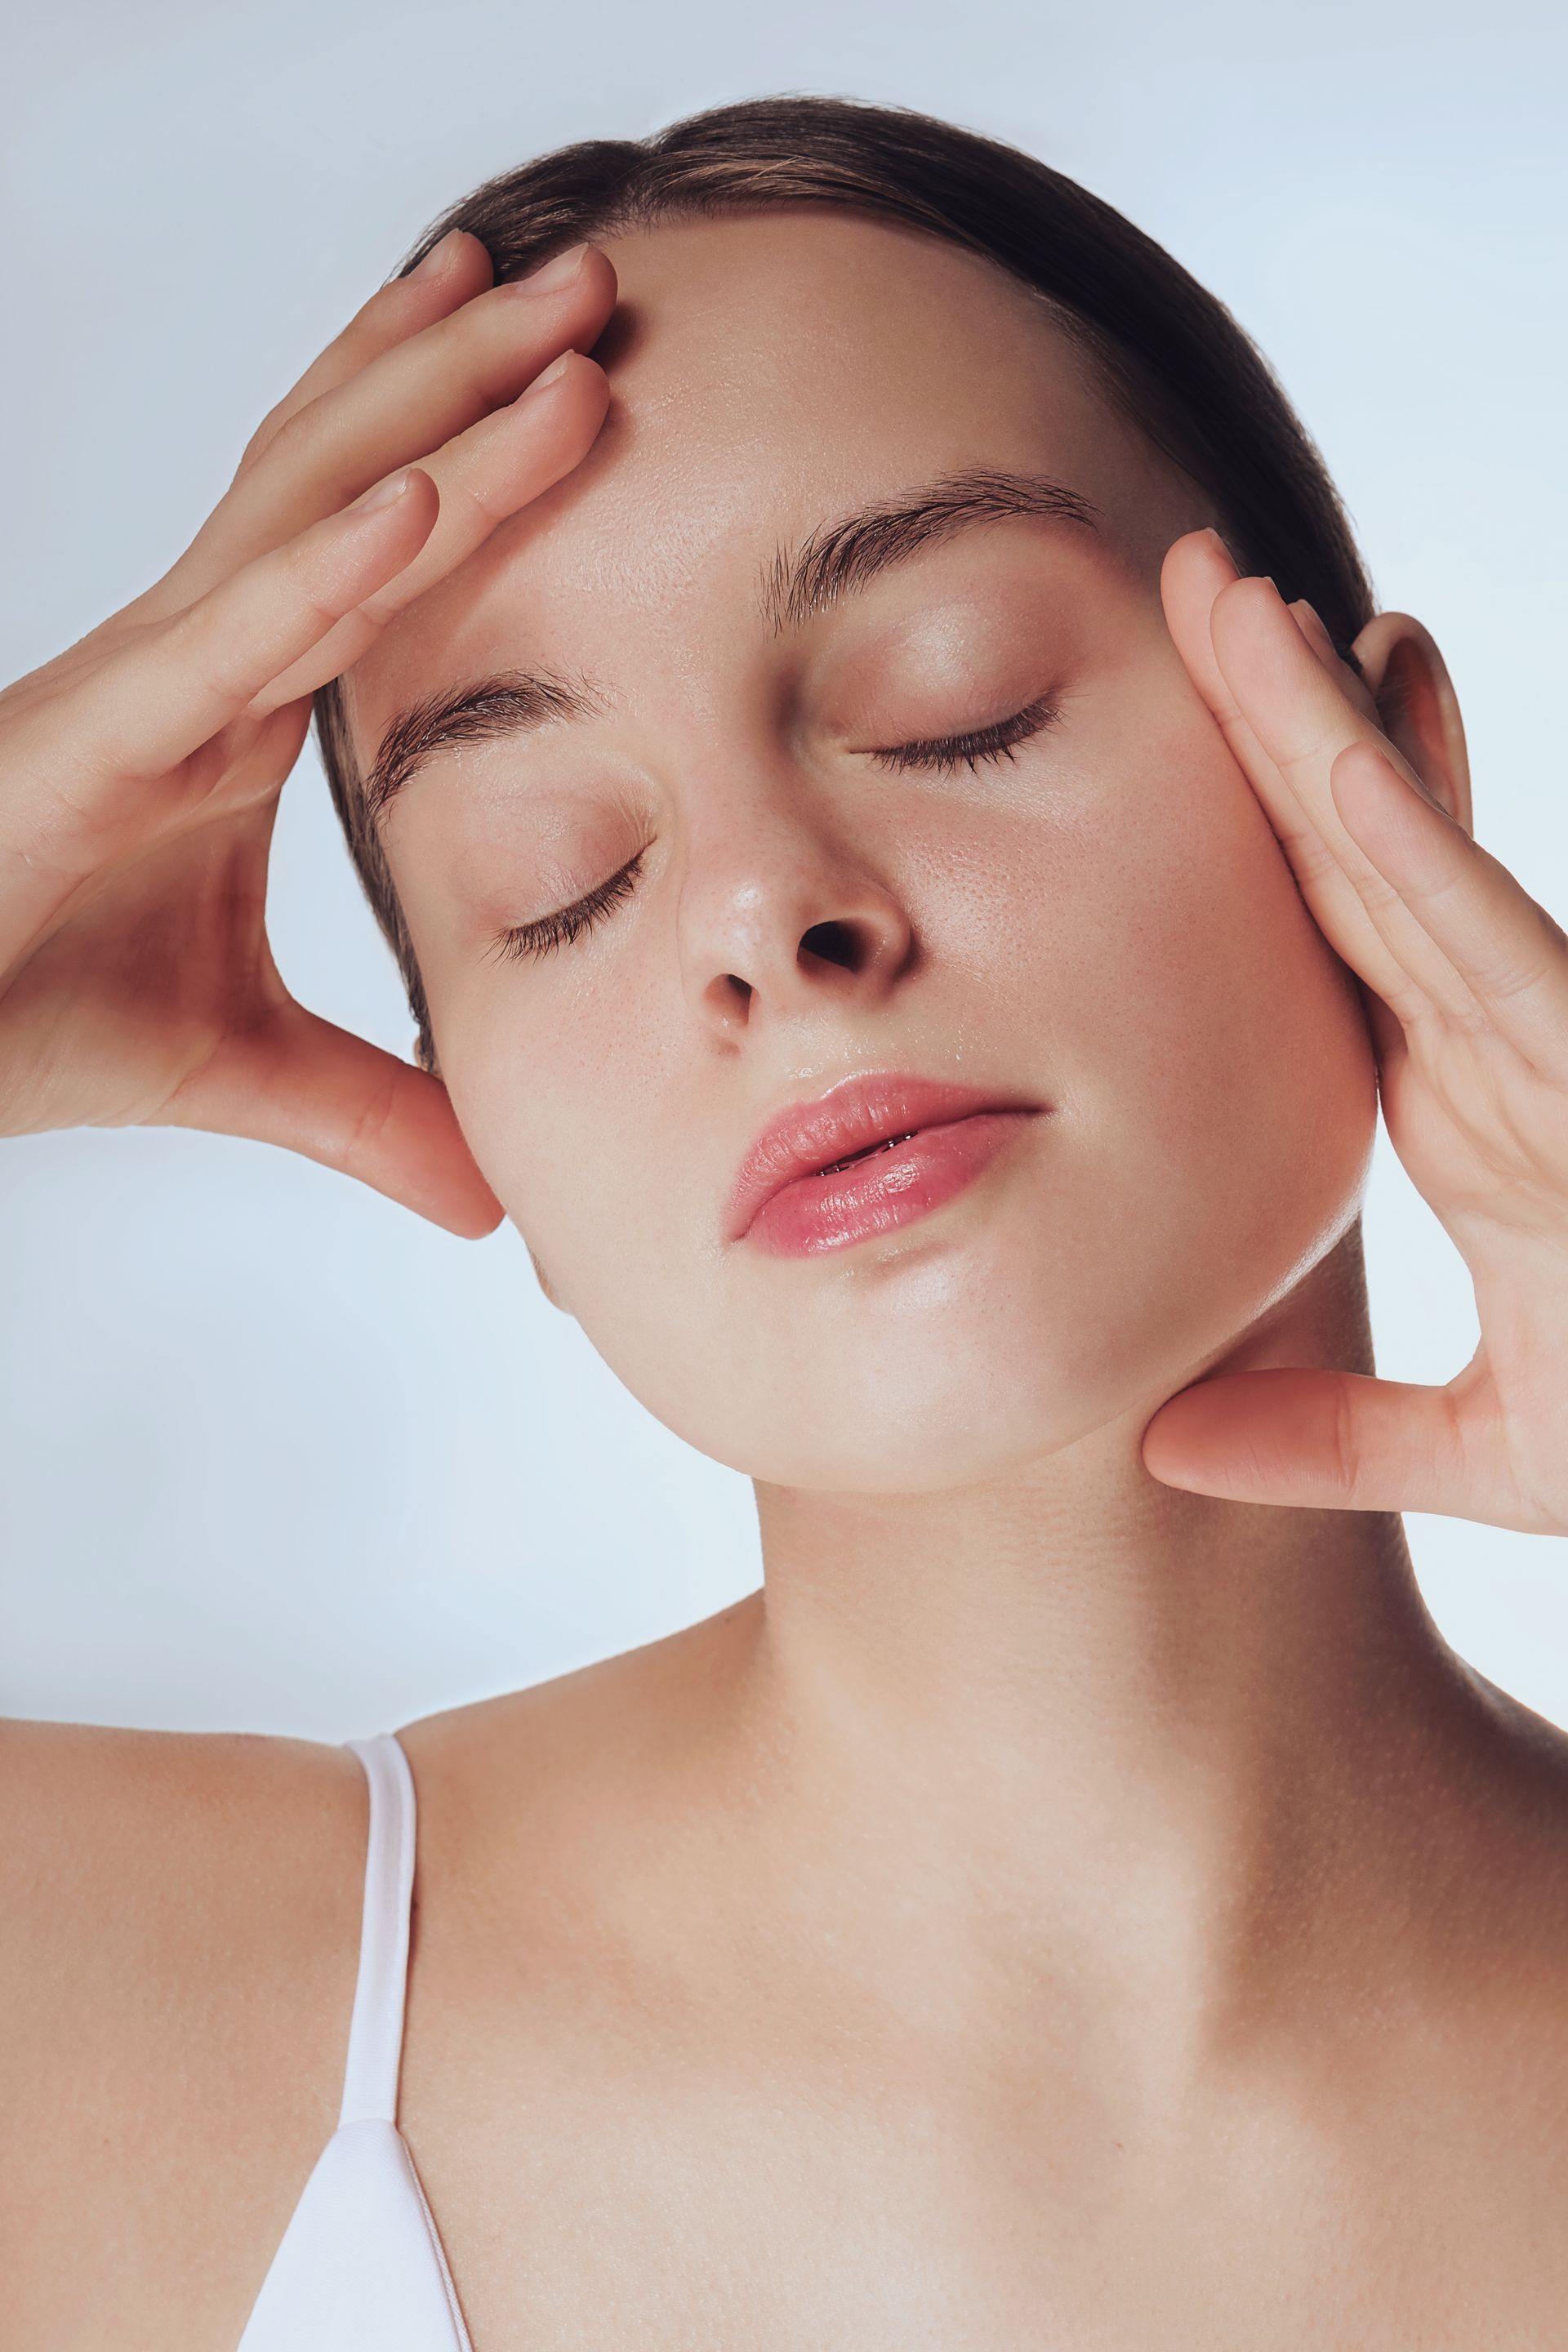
1320, 1440
296, 1080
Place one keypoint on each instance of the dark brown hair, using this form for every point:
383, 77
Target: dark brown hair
1169, 355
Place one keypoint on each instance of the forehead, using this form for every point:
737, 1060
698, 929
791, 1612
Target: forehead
768, 371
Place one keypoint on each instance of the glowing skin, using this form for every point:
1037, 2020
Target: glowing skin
1065, 1908
1104, 919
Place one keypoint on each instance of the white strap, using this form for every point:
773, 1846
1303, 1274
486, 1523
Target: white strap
376, 2031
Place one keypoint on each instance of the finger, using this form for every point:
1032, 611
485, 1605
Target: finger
451, 273
1309, 620
496, 467
405, 404
174, 689
1352, 684
302, 1083
1331, 1440
1510, 954
1197, 567
1197, 572
138, 719
1300, 721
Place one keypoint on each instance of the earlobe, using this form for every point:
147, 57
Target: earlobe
1417, 707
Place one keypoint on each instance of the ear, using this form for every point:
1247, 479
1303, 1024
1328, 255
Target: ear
1417, 707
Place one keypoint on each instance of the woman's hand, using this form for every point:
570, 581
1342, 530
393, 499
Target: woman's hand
140, 771
1464, 980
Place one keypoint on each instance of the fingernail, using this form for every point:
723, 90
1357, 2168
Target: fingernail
551, 274
556, 368
382, 494
440, 254
1312, 628
1209, 533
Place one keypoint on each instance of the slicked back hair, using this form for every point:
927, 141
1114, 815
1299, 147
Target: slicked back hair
1169, 355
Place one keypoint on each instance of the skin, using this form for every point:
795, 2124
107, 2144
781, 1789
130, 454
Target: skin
1073, 1906
985, 1341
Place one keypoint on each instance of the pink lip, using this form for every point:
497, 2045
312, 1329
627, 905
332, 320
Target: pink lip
787, 1203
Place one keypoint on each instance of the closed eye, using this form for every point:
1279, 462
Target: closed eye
946, 752
546, 932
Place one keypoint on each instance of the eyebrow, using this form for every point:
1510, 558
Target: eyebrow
508, 705
841, 557
833, 562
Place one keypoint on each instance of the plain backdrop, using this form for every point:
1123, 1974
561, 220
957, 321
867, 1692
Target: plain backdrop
273, 1454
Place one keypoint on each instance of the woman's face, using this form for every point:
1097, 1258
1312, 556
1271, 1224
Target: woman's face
1092, 932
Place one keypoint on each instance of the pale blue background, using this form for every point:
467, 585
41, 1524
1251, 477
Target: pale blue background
275, 1454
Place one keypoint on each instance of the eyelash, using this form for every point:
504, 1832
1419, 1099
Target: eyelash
944, 755
542, 937
948, 752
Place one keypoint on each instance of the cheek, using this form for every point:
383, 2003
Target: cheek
1230, 1018
1207, 1047
583, 1128
1129, 920
1129, 939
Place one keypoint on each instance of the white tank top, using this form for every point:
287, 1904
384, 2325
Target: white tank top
361, 2264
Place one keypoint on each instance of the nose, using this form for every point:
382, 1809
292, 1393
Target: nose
778, 921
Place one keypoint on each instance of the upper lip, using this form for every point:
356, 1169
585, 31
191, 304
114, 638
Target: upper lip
805, 1137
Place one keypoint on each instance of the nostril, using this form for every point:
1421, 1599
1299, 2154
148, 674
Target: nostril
837, 943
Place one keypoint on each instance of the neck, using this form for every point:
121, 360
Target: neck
1075, 1685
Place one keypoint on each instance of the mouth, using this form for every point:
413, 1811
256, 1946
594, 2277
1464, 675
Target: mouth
853, 1158
872, 1154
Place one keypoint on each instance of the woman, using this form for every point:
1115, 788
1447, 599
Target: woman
914, 941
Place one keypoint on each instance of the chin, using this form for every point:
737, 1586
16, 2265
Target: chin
952, 1415
941, 1365
975, 1353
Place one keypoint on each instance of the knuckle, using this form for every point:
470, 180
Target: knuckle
481, 501
303, 595
1311, 751
370, 1126
261, 439
293, 431
1344, 1452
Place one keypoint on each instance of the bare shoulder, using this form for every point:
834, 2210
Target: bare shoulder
548, 1819
53, 1768
582, 1708
137, 1851
602, 1744
179, 1919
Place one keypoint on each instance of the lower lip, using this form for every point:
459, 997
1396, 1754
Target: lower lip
885, 1190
